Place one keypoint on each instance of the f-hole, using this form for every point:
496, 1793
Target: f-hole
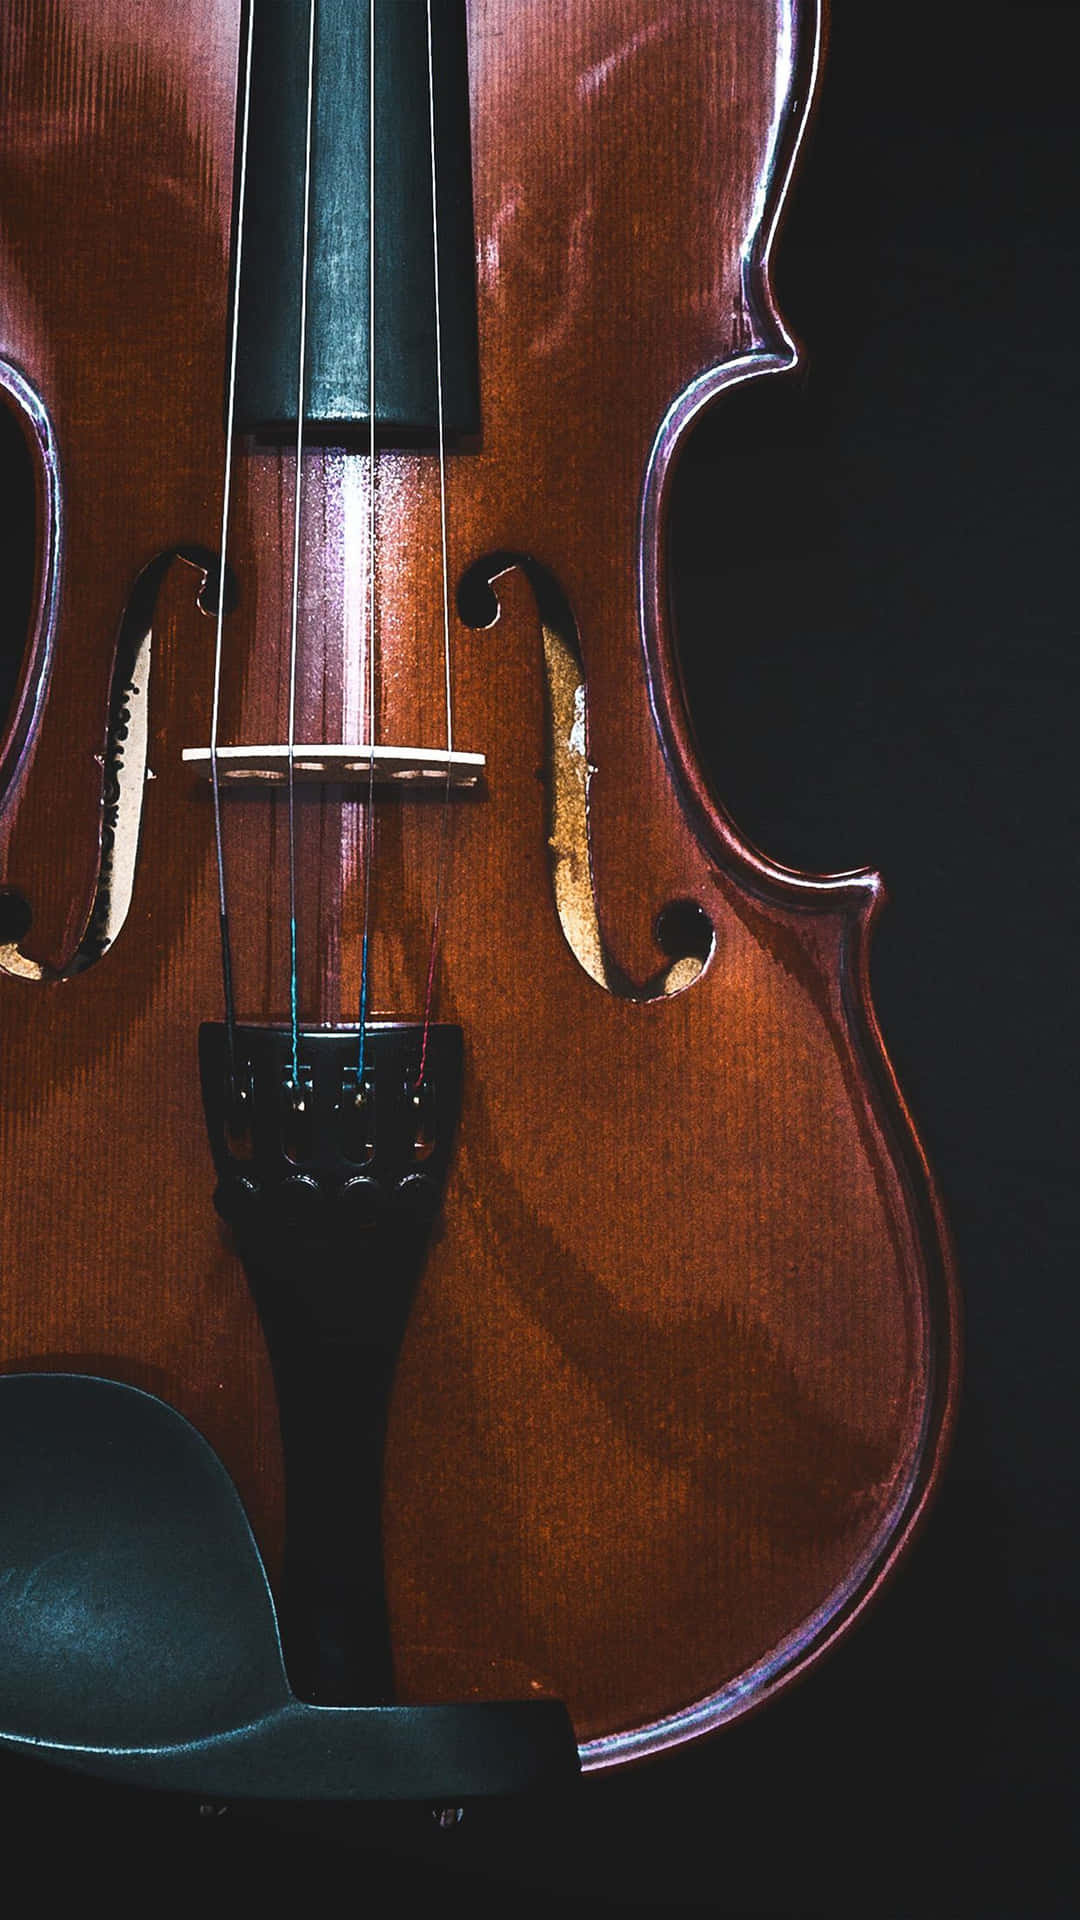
682, 929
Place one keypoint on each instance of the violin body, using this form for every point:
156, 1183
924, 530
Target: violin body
678, 1374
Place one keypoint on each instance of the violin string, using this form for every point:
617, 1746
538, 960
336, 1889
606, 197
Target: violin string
448, 685
215, 710
369, 813
294, 618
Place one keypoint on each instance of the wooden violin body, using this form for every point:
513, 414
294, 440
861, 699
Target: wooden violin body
677, 1378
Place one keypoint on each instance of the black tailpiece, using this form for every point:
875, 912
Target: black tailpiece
332, 1191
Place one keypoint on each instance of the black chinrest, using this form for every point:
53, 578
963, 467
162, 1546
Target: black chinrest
139, 1641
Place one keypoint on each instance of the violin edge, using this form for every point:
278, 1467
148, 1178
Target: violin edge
770, 350
817, 1636
18, 737
858, 895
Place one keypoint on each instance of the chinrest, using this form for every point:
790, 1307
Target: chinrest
139, 1640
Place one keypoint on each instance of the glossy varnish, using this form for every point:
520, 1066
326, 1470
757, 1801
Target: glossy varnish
676, 1383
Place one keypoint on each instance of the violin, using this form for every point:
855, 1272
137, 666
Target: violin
413, 1079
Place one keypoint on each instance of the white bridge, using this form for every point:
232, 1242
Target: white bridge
353, 766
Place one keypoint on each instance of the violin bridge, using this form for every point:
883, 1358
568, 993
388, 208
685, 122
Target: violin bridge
344, 765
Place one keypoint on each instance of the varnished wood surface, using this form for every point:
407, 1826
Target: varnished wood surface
677, 1380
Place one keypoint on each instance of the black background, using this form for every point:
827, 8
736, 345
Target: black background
875, 574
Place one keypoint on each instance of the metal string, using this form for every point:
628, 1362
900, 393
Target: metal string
369, 815
295, 608
444, 829
215, 711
